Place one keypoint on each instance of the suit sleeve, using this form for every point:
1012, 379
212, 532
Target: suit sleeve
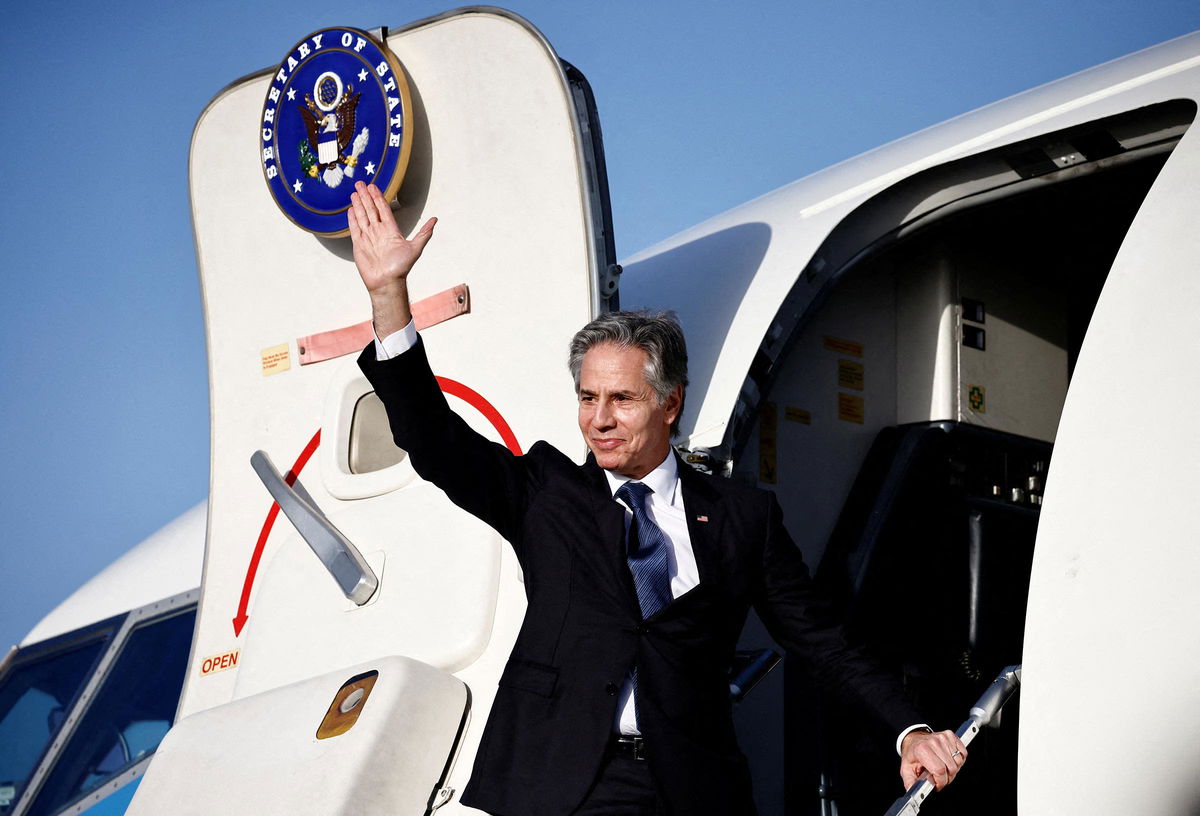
480, 476
800, 620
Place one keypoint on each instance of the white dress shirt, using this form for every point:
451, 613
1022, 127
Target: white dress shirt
396, 343
665, 507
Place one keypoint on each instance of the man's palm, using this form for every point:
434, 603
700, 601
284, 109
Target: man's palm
381, 252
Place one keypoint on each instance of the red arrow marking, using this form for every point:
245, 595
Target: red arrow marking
252, 570
456, 389
476, 401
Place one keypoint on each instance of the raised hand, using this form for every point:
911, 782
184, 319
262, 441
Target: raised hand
383, 255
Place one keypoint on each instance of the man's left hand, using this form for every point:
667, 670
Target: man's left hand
941, 754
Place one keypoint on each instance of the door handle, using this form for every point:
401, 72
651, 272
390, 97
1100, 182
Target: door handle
345, 563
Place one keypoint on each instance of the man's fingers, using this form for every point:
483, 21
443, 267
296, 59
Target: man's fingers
944, 774
938, 773
423, 235
367, 201
940, 755
958, 751
382, 210
358, 206
352, 218
951, 753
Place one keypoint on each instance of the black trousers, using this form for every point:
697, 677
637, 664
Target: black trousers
624, 787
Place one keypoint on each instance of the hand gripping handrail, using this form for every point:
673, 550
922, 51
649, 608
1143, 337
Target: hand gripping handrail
343, 560
986, 709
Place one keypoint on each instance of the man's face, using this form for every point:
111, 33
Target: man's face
619, 414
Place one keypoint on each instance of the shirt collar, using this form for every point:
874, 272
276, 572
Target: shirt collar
663, 480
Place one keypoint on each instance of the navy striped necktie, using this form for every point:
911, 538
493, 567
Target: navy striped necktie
646, 551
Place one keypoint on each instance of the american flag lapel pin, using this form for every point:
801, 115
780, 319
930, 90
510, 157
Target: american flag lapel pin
701, 518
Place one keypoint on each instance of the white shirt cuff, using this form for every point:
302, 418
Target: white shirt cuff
396, 343
909, 730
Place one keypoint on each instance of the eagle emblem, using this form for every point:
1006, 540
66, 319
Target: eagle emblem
336, 111
328, 113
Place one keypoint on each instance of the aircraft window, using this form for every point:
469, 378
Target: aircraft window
34, 700
371, 445
128, 717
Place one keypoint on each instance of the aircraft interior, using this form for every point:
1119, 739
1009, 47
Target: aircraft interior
907, 425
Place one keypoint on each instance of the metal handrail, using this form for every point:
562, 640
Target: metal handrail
345, 563
986, 709
756, 666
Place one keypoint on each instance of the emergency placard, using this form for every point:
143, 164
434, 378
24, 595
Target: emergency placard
275, 359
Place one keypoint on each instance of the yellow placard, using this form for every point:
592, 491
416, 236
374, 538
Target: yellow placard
850, 374
276, 359
843, 346
794, 414
768, 439
851, 408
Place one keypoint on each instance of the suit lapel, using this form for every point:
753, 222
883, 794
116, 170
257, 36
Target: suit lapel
610, 520
704, 521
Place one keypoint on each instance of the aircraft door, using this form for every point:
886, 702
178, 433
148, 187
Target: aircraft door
1110, 667
506, 153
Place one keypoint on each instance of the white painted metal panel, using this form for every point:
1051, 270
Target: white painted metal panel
435, 603
1109, 722
260, 755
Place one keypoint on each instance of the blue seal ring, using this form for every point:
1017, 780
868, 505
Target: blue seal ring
336, 112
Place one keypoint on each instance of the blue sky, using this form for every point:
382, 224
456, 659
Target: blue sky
103, 393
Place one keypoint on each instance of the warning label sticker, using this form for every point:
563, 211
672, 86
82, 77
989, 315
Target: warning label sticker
276, 359
851, 408
850, 374
794, 414
843, 346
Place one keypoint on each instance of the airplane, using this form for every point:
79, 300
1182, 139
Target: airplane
899, 347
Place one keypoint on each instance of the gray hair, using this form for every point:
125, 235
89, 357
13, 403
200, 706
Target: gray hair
656, 333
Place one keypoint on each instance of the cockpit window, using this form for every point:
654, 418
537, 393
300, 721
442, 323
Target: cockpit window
35, 697
129, 716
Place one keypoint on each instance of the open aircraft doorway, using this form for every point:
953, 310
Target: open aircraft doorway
927, 377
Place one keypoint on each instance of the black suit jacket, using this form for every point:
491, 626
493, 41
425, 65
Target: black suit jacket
554, 710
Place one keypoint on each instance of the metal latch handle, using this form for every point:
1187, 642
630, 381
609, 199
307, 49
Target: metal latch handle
339, 555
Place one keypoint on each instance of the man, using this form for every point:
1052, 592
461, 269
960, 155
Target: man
639, 574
